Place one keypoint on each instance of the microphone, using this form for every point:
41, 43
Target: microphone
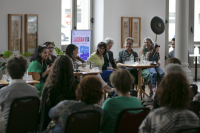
3, 57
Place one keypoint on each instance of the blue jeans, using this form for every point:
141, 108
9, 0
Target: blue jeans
106, 75
153, 74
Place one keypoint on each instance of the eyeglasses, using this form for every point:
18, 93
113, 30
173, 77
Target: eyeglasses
50, 47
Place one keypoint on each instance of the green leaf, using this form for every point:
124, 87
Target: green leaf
7, 54
58, 51
53, 44
26, 54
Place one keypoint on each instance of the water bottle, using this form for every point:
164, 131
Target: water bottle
88, 63
75, 66
143, 60
132, 59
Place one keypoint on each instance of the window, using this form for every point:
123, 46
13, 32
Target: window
83, 14
66, 22
197, 21
80, 9
194, 24
172, 17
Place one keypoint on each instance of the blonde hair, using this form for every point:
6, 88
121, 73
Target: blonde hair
122, 80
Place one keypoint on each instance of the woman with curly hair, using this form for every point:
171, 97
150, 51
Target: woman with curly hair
173, 97
89, 92
61, 81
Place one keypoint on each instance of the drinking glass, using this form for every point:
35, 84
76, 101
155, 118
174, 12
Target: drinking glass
146, 61
92, 65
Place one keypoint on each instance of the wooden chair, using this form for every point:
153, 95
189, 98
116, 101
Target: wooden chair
190, 129
35, 75
83, 122
129, 122
23, 115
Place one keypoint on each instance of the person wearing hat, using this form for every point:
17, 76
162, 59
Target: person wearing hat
155, 72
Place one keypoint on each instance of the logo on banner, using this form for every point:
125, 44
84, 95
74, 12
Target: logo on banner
78, 39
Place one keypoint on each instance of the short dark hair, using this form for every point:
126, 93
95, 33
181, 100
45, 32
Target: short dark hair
48, 43
101, 44
69, 50
16, 66
173, 39
90, 90
122, 80
174, 60
38, 50
174, 91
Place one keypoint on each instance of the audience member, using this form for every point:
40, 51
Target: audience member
61, 81
154, 56
90, 93
72, 51
51, 58
172, 53
173, 60
122, 80
124, 55
16, 67
168, 69
98, 58
147, 46
173, 97
38, 64
109, 63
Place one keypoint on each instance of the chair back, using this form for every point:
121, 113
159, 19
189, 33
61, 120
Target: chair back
35, 75
23, 115
66, 97
194, 89
190, 129
194, 107
129, 122
83, 122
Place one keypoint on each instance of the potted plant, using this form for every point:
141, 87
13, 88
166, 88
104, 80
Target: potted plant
58, 51
6, 55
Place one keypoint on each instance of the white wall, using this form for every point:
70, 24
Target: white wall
98, 25
115, 9
49, 19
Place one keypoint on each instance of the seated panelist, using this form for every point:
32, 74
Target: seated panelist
109, 63
126, 53
98, 58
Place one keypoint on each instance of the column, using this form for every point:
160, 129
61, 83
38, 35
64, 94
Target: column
181, 35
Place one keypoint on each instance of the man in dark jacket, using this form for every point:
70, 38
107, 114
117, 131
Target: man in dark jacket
109, 63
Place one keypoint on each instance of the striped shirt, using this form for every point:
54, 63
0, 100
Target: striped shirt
165, 120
